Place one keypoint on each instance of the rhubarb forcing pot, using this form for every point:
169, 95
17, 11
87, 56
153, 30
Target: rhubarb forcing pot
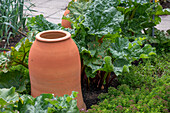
66, 23
54, 65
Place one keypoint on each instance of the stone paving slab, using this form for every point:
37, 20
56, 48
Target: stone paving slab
53, 11
165, 23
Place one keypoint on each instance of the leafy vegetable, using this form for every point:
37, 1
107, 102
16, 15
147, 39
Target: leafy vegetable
13, 102
102, 18
139, 16
12, 18
39, 23
17, 79
98, 37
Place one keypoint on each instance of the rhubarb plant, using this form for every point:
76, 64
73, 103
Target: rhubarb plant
139, 16
12, 102
102, 48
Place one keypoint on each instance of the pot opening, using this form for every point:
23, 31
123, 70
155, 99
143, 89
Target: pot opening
53, 35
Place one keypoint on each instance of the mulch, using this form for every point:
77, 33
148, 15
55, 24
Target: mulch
90, 95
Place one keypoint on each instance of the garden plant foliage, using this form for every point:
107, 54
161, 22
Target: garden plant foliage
144, 89
109, 36
12, 102
12, 19
104, 29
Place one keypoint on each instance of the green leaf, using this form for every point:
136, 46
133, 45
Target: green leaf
68, 99
108, 66
144, 56
121, 65
102, 18
27, 99
126, 68
39, 23
77, 9
74, 94
125, 52
17, 79
4, 59
119, 48
9, 95
20, 53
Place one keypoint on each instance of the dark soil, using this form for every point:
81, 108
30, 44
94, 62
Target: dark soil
12, 42
90, 95
165, 4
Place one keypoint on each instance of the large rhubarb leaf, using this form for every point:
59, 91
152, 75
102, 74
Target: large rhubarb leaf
93, 57
17, 80
121, 65
12, 102
39, 105
8, 97
39, 23
126, 52
102, 18
139, 16
77, 9
65, 104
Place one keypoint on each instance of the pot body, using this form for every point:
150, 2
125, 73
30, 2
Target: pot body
54, 66
66, 23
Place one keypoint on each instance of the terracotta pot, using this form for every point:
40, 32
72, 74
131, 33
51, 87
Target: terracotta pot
66, 23
54, 65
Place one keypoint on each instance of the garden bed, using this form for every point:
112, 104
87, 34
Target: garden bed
122, 68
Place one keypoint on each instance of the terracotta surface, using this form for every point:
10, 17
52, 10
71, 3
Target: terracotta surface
54, 65
66, 23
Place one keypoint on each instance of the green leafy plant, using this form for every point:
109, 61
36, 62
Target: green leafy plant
161, 40
126, 100
139, 16
145, 89
39, 23
102, 48
12, 19
13, 102
17, 55
17, 77
147, 73
83, 0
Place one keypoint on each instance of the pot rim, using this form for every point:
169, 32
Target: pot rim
67, 36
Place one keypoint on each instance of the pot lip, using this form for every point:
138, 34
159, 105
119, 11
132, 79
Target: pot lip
38, 36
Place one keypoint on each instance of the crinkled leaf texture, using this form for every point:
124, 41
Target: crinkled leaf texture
102, 18
77, 9
126, 52
114, 57
45, 103
9, 95
14, 78
39, 23
19, 54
